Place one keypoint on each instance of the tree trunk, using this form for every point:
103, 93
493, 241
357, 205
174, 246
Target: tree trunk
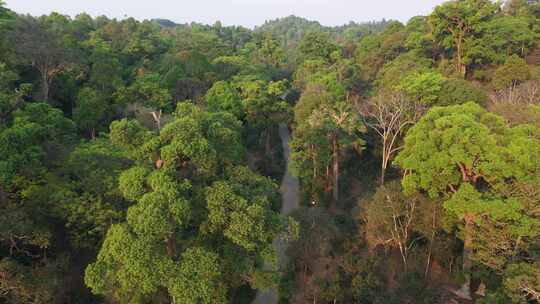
157, 119
171, 246
335, 168
403, 252
432, 239
314, 162
465, 291
462, 69
268, 144
383, 172
384, 158
3, 195
45, 87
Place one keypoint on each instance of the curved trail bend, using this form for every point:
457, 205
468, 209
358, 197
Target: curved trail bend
289, 193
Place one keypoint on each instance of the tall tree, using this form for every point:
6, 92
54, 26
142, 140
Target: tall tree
264, 105
31, 143
328, 126
90, 111
43, 49
147, 91
391, 220
200, 225
455, 25
390, 116
466, 155
343, 128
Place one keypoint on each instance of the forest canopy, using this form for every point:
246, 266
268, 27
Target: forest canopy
145, 161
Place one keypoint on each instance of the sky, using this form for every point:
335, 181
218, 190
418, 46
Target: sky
248, 13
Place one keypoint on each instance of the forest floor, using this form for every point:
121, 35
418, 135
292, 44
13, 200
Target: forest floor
290, 196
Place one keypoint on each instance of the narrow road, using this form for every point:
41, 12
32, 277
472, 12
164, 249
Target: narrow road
289, 193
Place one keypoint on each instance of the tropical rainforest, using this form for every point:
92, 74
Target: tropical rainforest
141, 161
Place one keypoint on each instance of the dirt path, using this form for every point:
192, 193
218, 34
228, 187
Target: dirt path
289, 193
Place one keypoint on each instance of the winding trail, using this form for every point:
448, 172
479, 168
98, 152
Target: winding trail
289, 193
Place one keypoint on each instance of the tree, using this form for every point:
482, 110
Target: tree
7, 17
465, 154
242, 209
147, 91
43, 49
458, 91
199, 280
86, 193
222, 96
37, 135
513, 7
514, 71
507, 36
271, 52
316, 45
455, 24
91, 111
524, 94
391, 218
390, 116
264, 105
33, 284
11, 97
342, 127
422, 87
375, 51
189, 196
105, 68
35, 138
327, 126
390, 76
4, 12
317, 231
522, 282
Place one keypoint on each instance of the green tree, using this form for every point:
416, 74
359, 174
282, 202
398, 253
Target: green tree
327, 126
200, 225
455, 25
316, 45
105, 68
456, 152
264, 105
31, 143
271, 52
91, 111
522, 282
505, 36
199, 279
423, 87
392, 74
513, 72
87, 195
11, 97
147, 91
222, 96
44, 49
456, 91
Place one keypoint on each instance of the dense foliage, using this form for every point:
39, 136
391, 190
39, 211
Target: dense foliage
140, 160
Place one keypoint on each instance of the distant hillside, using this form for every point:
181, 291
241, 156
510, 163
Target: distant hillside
355, 30
165, 22
292, 28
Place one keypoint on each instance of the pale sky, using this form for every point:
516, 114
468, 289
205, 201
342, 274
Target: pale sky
233, 12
